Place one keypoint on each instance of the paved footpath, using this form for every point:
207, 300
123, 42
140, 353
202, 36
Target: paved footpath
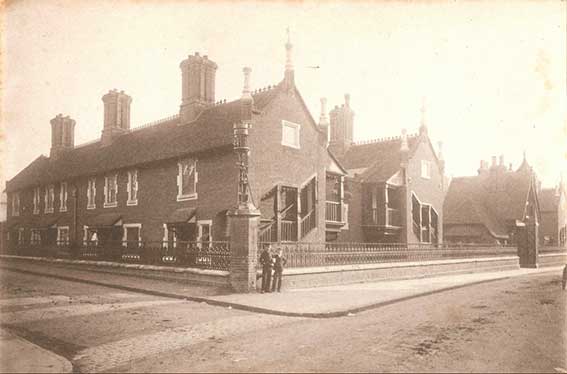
37, 360
320, 302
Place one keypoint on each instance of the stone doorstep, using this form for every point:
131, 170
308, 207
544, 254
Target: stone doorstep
108, 264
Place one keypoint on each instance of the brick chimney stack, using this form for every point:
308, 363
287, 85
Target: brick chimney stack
246, 100
62, 135
197, 86
441, 157
116, 115
483, 167
324, 121
423, 125
342, 120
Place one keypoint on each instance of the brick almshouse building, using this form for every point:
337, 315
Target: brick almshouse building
175, 179
553, 225
490, 207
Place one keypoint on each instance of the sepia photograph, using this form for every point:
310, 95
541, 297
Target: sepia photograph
283, 186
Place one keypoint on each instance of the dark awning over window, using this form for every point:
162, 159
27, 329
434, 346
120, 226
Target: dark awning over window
181, 215
104, 220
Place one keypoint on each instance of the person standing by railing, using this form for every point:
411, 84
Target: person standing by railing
279, 263
266, 262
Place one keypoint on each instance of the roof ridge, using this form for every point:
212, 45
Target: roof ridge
377, 140
154, 123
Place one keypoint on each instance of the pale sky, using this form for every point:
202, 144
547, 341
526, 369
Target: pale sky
493, 72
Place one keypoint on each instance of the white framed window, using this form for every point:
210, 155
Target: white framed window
204, 233
110, 191
36, 200
91, 193
290, 134
165, 239
132, 188
425, 169
35, 238
63, 235
132, 234
21, 236
49, 198
187, 179
63, 197
16, 204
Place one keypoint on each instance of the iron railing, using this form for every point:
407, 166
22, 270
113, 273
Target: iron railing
333, 211
308, 223
301, 254
214, 255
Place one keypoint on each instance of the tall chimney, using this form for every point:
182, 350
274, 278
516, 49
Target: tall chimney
62, 135
483, 167
246, 101
116, 115
441, 157
342, 120
324, 121
197, 86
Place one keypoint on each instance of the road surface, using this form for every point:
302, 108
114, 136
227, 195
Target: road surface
511, 325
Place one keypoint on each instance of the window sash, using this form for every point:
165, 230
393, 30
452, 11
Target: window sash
187, 179
290, 134
63, 197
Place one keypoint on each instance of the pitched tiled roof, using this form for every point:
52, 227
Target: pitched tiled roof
381, 158
211, 130
493, 200
548, 200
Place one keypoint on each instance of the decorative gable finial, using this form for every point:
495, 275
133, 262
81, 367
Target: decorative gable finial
289, 76
423, 125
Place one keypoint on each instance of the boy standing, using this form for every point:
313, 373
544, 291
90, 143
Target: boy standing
279, 263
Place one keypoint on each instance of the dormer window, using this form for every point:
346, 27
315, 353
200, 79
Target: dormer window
91, 193
187, 178
290, 134
36, 200
425, 169
49, 198
111, 191
132, 188
16, 204
63, 197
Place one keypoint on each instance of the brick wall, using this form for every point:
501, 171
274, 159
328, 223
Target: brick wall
157, 197
273, 163
430, 191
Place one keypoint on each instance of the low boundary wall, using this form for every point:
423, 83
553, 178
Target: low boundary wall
552, 259
218, 278
346, 274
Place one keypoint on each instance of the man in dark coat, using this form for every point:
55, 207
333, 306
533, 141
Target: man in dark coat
279, 263
266, 262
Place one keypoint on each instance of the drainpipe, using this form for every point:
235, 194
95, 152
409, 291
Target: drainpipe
75, 204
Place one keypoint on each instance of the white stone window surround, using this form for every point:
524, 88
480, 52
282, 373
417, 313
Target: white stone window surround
132, 188
111, 183
91, 193
49, 198
36, 200
182, 195
291, 134
200, 225
62, 235
16, 204
21, 235
35, 237
63, 194
426, 169
131, 225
